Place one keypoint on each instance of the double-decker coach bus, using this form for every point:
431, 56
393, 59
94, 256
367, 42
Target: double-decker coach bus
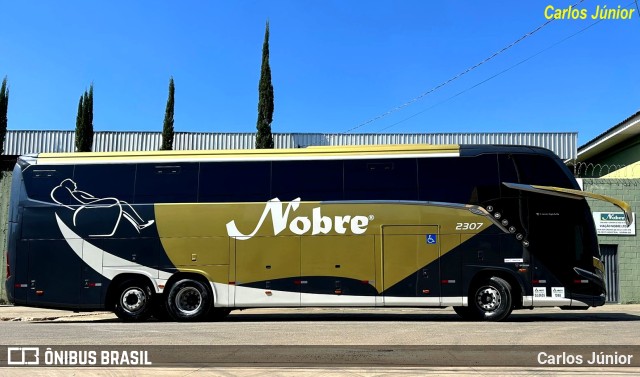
191, 235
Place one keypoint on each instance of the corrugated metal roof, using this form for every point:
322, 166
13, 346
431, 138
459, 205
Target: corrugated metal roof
564, 144
609, 139
607, 132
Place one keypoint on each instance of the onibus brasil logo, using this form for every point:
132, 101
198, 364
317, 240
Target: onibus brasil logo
317, 224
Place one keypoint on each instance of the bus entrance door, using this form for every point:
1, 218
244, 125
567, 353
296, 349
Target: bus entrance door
411, 267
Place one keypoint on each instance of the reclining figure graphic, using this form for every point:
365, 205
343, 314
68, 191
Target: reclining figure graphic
69, 189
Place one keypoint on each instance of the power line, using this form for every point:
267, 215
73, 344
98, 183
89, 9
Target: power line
501, 72
492, 77
397, 108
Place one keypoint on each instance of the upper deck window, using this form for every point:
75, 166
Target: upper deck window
167, 183
534, 170
466, 180
308, 180
381, 179
41, 180
235, 181
106, 180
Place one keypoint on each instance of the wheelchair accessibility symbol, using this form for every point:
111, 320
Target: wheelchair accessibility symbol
432, 239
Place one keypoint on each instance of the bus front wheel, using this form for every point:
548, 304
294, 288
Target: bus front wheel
189, 300
134, 300
491, 300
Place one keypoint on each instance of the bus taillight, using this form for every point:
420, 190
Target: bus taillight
8, 269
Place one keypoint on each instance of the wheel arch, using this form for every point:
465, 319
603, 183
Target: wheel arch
517, 288
194, 275
112, 291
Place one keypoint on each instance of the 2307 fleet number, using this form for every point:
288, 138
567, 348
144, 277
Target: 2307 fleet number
468, 226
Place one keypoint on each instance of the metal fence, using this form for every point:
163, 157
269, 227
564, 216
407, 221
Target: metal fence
564, 144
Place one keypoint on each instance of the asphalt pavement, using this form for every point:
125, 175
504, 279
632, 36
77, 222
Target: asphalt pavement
260, 321
23, 313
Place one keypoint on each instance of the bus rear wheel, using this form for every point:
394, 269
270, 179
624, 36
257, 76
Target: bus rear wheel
134, 300
189, 300
491, 300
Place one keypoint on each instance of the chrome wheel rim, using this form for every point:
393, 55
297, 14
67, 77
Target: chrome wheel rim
488, 298
188, 300
133, 299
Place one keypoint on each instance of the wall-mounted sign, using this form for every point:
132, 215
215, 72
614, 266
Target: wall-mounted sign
613, 223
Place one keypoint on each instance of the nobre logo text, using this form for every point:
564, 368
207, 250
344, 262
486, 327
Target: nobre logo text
317, 224
611, 217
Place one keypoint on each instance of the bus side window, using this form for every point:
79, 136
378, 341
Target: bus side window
106, 180
167, 183
41, 180
542, 170
308, 180
381, 179
241, 181
465, 180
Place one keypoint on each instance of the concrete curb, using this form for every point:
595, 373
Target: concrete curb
10, 313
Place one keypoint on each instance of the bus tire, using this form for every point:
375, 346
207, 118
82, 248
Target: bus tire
134, 300
189, 300
491, 300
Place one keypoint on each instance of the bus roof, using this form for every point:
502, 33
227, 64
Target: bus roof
308, 153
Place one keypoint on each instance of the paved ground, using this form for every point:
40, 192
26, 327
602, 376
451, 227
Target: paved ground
602, 313
22, 313
341, 336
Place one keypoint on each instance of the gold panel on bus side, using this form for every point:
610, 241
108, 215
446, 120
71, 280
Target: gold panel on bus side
405, 249
340, 256
192, 220
194, 251
267, 258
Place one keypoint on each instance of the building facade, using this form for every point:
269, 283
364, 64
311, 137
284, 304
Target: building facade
610, 165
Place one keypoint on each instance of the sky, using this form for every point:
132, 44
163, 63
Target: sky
337, 65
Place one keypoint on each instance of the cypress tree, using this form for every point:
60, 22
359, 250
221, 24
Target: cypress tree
80, 126
88, 119
167, 127
264, 138
4, 105
84, 122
